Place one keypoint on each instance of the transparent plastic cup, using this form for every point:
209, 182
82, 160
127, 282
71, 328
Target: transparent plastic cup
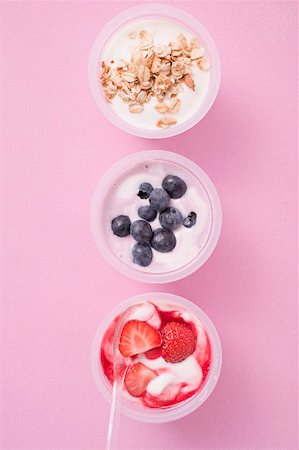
158, 415
153, 11
98, 207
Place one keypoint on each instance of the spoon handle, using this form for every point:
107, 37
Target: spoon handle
114, 417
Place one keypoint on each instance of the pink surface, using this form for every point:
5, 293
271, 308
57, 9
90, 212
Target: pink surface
57, 287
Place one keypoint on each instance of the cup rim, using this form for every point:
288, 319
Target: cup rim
153, 415
97, 203
152, 10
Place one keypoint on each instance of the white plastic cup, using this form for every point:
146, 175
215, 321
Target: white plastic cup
153, 11
156, 415
97, 211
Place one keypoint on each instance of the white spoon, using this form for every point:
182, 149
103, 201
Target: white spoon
118, 359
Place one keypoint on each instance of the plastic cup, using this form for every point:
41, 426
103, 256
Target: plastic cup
153, 11
97, 214
156, 415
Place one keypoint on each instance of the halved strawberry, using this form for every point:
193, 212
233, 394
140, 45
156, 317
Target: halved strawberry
154, 353
178, 340
137, 378
138, 337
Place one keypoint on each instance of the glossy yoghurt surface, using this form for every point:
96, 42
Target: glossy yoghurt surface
173, 382
122, 198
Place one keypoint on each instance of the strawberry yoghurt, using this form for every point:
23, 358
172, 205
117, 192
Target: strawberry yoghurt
165, 354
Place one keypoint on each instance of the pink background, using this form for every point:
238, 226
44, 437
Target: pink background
57, 287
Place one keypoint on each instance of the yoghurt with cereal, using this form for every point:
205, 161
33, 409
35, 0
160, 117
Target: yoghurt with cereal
155, 73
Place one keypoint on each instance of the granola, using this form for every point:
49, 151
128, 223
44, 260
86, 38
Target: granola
166, 122
158, 72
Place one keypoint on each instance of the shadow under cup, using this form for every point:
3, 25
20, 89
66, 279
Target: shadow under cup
101, 224
159, 415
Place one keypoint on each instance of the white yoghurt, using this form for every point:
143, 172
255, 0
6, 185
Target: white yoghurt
163, 32
123, 199
145, 312
158, 384
187, 371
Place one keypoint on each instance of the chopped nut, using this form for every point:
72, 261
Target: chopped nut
145, 39
111, 87
189, 81
141, 97
163, 51
203, 64
116, 79
156, 64
178, 69
162, 83
193, 43
143, 74
125, 97
165, 68
197, 53
146, 85
108, 97
161, 108
149, 96
135, 108
166, 122
172, 91
186, 62
105, 73
149, 60
129, 76
126, 88
133, 68
176, 49
174, 106
183, 41
159, 97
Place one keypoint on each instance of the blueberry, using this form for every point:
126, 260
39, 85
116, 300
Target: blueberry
159, 199
163, 240
141, 231
121, 226
174, 185
147, 213
170, 218
142, 254
144, 190
190, 220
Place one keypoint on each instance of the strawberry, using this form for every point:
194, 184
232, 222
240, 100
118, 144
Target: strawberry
178, 342
138, 337
137, 378
154, 353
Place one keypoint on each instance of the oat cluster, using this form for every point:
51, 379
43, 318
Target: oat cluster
158, 72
